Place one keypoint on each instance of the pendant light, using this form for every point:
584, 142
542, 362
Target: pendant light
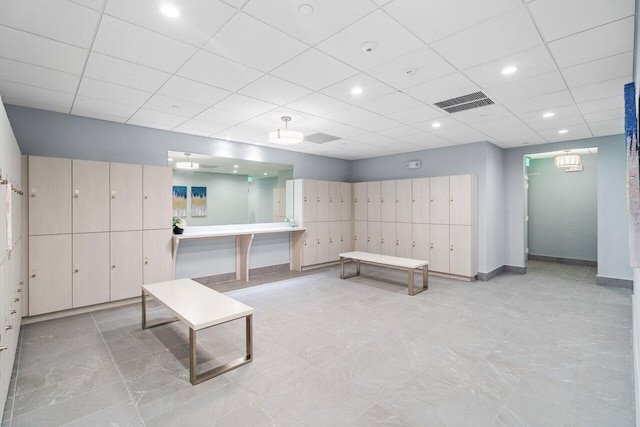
188, 164
285, 136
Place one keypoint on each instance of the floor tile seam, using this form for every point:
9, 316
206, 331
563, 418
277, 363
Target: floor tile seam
15, 384
119, 372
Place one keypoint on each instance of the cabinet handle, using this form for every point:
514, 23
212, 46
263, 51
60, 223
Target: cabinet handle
318, 199
13, 311
381, 200
76, 192
113, 194
431, 200
3, 347
414, 245
16, 300
305, 198
355, 200
18, 290
21, 282
368, 200
113, 266
368, 240
397, 201
431, 245
397, 243
76, 270
451, 248
146, 197
305, 243
414, 200
382, 241
330, 240
146, 262
452, 199
8, 328
33, 275
318, 241
355, 238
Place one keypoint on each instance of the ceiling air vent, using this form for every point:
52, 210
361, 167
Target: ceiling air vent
320, 138
465, 102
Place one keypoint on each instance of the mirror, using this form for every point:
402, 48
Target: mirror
211, 190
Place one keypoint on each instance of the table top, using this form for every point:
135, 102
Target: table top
204, 232
195, 304
385, 259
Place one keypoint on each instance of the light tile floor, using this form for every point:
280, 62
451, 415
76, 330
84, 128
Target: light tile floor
548, 348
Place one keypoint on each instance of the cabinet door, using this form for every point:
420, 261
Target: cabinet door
157, 208
335, 233
460, 202
346, 201
157, 265
310, 245
388, 201
420, 200
309, 201
50, 286
322, 242
126, 196
126, 264
346, 236
373, 201
388, 238
439, 256
90, 196
374, 237
421, 242
322, 200
360, 236
90, 269
49, 196
360, 201
439, 192
404, 240
404, 205
335, 205
460, 250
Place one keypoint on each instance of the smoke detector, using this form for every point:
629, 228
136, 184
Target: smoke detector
368, 46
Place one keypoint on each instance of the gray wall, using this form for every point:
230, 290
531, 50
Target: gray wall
563, 209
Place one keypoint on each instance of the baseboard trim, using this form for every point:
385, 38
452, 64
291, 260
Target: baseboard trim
253, 272
80, 310
559, 260
490, 275
612, 282
514, 269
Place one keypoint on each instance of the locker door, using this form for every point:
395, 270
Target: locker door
374, 237
360, 201
346, 201
157, 264
388, 238
439, 192
404, 241
439, 255
460, 188
322, 242
420, 200
90, 196
157, 201
309, 201
421, 242
322, 200
125, 196
50, 261
335, 201
346, 237
335, 233
388, 201
404, 205
360, 236
460, 244
91, 282
310, 245
373, 201
126, 264
49, 195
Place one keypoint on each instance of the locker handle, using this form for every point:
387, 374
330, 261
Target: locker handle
368, 199
8, 327
16, 300
13, 311
414, 200
368, 240
330, 240
21, 283
397, 242
146, 262
451, 249
33, 275
318, 199
318, 241
305, 243
330, 199
355, 200
76, 192
76, 270
397, 201
146, 197
113, 266
382, 241
18, 290
431, 245
305, 198
452, 199
381, 200
431, 200
414, 245
3, 347
113, 194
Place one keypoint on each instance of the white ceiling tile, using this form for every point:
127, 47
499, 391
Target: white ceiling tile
544, 102
390, 38
54, 19
461, 135
607, 132
33, 75
314, 70
39, 105
420, 114
412, 68
174, 106
600, 70
391, 103
447, 87
427, 140
92, 4
91, 88
274, 90
156, 117
575, 132
222, 117
515, 139
376, 124
34, 94
99, 109
495, 38
600, 90
598, 116
265, 49
371, 89
217, 71
600, 42
332, 127
563, 116
351, 114
481, 114
510, 124
530, 62
400, 131
126, 41
147, 124
189, 90
236, 3
558, 19
528, 88
37, 50
106, 68
183, 129
371, 138
328, 17
244, 106
200, 127
198, 20
317, 104
237, 133
444, 123
608, 124
433, 19
611, 103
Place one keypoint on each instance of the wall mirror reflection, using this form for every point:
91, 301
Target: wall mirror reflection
210, 190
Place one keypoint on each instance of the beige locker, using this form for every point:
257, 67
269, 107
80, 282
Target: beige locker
335, 236
373, 201
335, 200
388, 238
49, 196
360, 236
125, 196
309, 201
420, 200
157, 201
322, 199
421, 242
157, 264
90, 185
322, 241
310, 245
439, 192
404, 204
374, 237
90, 269
50, 261
126, 264
439, 248
360, 201
346, 236
460, 199
346, 201
404, 240
460, 250
388, 201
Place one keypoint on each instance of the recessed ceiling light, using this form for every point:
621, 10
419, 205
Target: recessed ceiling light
170, 159
410, 71
509, 70
548, 115
235, 171
357, 90
369, 46
305, 9
170, 10
563, 131
265, 173
436, 125
235, 166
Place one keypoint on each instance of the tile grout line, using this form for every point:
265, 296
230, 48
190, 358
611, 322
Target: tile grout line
15, 385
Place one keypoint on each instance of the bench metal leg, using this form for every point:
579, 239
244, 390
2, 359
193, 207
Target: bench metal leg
146, 325
342, 275
193, 365
425, 281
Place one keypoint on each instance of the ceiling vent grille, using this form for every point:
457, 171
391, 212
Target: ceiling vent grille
465, 102
320, 138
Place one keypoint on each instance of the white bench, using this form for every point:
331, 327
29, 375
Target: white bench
388, 261
199, 307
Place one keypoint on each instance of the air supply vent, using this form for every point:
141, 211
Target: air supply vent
320, 138
465, 102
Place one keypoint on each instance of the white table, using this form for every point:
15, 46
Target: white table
199, 307
388, 261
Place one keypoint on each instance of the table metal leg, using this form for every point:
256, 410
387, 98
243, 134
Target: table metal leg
146, 325
425, 281
425, 277
343, 275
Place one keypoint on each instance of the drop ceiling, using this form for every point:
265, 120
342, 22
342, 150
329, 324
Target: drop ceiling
230, 69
